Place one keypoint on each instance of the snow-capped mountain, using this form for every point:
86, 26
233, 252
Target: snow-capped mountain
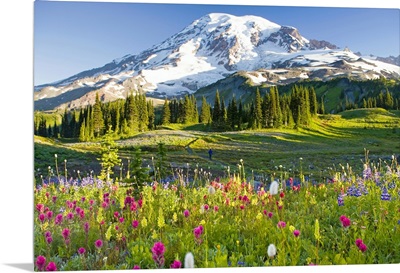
208, 50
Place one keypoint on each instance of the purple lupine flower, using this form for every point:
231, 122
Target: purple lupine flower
340, 200
385, 196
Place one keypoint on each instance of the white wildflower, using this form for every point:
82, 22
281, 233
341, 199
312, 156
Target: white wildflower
271, 250
211, 190
273, 188
189, 260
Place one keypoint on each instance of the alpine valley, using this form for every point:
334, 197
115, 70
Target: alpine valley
212, 51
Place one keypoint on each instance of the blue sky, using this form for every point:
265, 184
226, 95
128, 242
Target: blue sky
70, 37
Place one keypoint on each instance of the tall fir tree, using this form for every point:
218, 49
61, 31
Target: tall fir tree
205, 112
166, 113
257, 110
98, 120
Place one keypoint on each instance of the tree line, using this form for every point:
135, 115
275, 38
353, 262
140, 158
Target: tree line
269, 110
124, 117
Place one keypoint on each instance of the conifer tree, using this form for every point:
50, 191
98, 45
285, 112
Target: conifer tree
313, 102
151, 115
216, 113
82, 132
205, 113
109, 155
98, 121
166, 113
257, 111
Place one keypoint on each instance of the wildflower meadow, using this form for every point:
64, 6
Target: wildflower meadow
90, 224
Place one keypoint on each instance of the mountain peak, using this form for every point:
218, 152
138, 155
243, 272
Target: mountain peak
206, 51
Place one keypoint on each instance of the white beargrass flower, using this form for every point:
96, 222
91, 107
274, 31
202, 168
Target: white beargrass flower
273, 188
271, 250
189, 260
211, 190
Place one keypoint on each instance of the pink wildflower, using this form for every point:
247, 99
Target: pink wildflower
136, 267
42, 217
206, 207
121, 219
86, 227
134, 206
49, 240
49, 214
59, 218
70, 216
270, 214
98, 244
186, 213
47, 234
81, 250
362, 247
216, 208
40, 262
345, 221
359, 242
135, 223
140, 202
176, 264
82, 214
66, 233
158, 250
51, 267
40, 207
296, 233
281, 224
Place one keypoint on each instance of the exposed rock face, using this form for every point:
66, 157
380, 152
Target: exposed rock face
315, 44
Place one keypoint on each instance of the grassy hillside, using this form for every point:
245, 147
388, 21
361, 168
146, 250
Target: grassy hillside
331, 142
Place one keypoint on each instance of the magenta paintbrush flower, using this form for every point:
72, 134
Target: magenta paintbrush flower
66, 233
98, 244
158, 250
86, 227
281, 224
135, 223
296, 233
345, 221
51, 267
42, 217
81, 251
186, 213
40, 262
176, 264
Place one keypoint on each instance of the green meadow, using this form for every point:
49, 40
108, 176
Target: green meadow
330, 143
